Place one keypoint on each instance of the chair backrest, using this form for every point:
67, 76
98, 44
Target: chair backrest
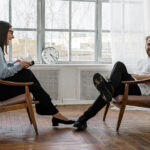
122, 100
20, 102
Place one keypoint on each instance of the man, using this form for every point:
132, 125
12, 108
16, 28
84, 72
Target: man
114, 87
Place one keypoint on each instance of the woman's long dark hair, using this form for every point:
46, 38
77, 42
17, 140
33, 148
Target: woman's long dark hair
4, 28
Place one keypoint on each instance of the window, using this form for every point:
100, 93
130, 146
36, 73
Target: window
24, 14
106, 40
78, 29
4, 12
83, 31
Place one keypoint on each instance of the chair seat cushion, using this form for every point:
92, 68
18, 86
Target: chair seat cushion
134, 100
15, 100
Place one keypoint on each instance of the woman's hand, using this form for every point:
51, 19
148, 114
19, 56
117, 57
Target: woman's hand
18, 60
25, 64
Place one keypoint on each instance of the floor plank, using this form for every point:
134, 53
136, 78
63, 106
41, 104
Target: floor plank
16, 133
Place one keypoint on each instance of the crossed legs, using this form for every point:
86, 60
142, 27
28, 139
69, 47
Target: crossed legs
107, 89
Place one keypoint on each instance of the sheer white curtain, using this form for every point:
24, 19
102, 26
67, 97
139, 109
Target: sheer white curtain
130, 23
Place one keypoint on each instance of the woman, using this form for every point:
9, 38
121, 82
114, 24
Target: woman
18, 72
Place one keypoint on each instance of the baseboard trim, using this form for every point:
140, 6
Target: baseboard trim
72, 102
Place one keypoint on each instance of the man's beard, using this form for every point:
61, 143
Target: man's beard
148, 52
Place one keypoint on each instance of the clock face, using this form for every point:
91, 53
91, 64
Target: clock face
50, 55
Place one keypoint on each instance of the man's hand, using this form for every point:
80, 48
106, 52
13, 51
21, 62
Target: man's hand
136, 76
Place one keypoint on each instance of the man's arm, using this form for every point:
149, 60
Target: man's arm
141, 77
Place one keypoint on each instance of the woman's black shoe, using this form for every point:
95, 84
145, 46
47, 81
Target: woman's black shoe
56, 121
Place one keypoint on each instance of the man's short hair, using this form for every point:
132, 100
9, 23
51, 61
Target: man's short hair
148, 37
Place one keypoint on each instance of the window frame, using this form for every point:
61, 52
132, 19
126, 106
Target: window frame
41, 32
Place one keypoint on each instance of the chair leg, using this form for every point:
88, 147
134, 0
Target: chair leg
121, 113
30, 108
33, 119
106, 110
29, 115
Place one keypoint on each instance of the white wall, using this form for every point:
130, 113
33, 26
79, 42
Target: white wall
70, 84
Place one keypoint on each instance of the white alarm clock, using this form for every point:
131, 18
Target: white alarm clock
50, 55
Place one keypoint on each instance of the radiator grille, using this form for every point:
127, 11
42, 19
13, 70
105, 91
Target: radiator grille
87, 89
49, 81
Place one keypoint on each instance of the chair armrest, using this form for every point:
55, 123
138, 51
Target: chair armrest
125, 95
136, 82
15, 83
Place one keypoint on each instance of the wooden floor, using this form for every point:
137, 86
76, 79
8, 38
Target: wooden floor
16, 133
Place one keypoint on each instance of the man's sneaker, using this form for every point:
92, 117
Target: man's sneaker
102, 86
80, 125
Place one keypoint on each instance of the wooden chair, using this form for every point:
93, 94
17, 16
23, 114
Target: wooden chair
122, 100
20, 102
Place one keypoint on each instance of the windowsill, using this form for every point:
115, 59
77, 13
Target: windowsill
70, 65
103, 67
78, 66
